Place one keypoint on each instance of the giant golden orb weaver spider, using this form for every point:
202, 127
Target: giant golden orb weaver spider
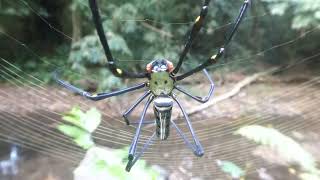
162, 80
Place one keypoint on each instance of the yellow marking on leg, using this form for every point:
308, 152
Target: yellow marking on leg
198, 18
213, 57
119, 71
292, 171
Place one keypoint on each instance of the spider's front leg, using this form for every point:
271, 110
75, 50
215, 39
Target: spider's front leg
95, 97
192, 35
197, 98
133, 155
214, 59
115, 70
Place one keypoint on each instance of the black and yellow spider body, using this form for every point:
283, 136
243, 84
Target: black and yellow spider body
160, 87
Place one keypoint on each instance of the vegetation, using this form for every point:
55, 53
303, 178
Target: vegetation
41, 36
231, 169
99, 162
81, 126
62, 34
288, 149
307, 12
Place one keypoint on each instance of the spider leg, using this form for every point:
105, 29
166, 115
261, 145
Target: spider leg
188, 143
196, 147
132, 151
139, 154
101, 33
194, 31
214, 59
197, 98
99, 96
128, 112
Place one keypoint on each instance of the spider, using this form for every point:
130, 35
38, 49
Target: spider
162, 80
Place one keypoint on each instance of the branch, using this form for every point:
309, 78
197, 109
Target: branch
153, 28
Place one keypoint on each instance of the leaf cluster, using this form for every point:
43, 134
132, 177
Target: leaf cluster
285, 146
99, 161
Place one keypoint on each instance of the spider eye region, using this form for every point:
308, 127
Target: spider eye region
159, 65
161, 83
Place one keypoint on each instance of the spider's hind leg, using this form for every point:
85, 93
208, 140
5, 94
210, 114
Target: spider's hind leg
133, 159
196, 146
133, 154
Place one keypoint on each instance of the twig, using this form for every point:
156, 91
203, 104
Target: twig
153, 28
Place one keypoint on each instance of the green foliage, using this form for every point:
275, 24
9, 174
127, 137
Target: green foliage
231, 169
140, 31
82, 125
11, 8
81, 137
309, 176
306, 12
110, 164
284, 145
88, 121
37, 66
99, 161
88, 52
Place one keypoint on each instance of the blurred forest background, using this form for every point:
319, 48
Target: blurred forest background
61, 33
40, 36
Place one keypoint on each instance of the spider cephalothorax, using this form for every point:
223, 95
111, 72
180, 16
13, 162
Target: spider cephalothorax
161, 83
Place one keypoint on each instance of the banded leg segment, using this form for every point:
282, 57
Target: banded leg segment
140, 153
101, 33
132, 151
194, 31
197, 98
214, 59
196, 147
99, 96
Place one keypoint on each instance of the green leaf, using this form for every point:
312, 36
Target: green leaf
83, 125
71, 131
80, 137
74, 116
85, 141
91, 120
231, 168
101, 165
117, 171
284, 145
88, 121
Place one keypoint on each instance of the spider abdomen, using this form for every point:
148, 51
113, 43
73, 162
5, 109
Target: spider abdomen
162, 111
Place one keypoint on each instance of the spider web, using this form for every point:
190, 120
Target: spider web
31, 124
